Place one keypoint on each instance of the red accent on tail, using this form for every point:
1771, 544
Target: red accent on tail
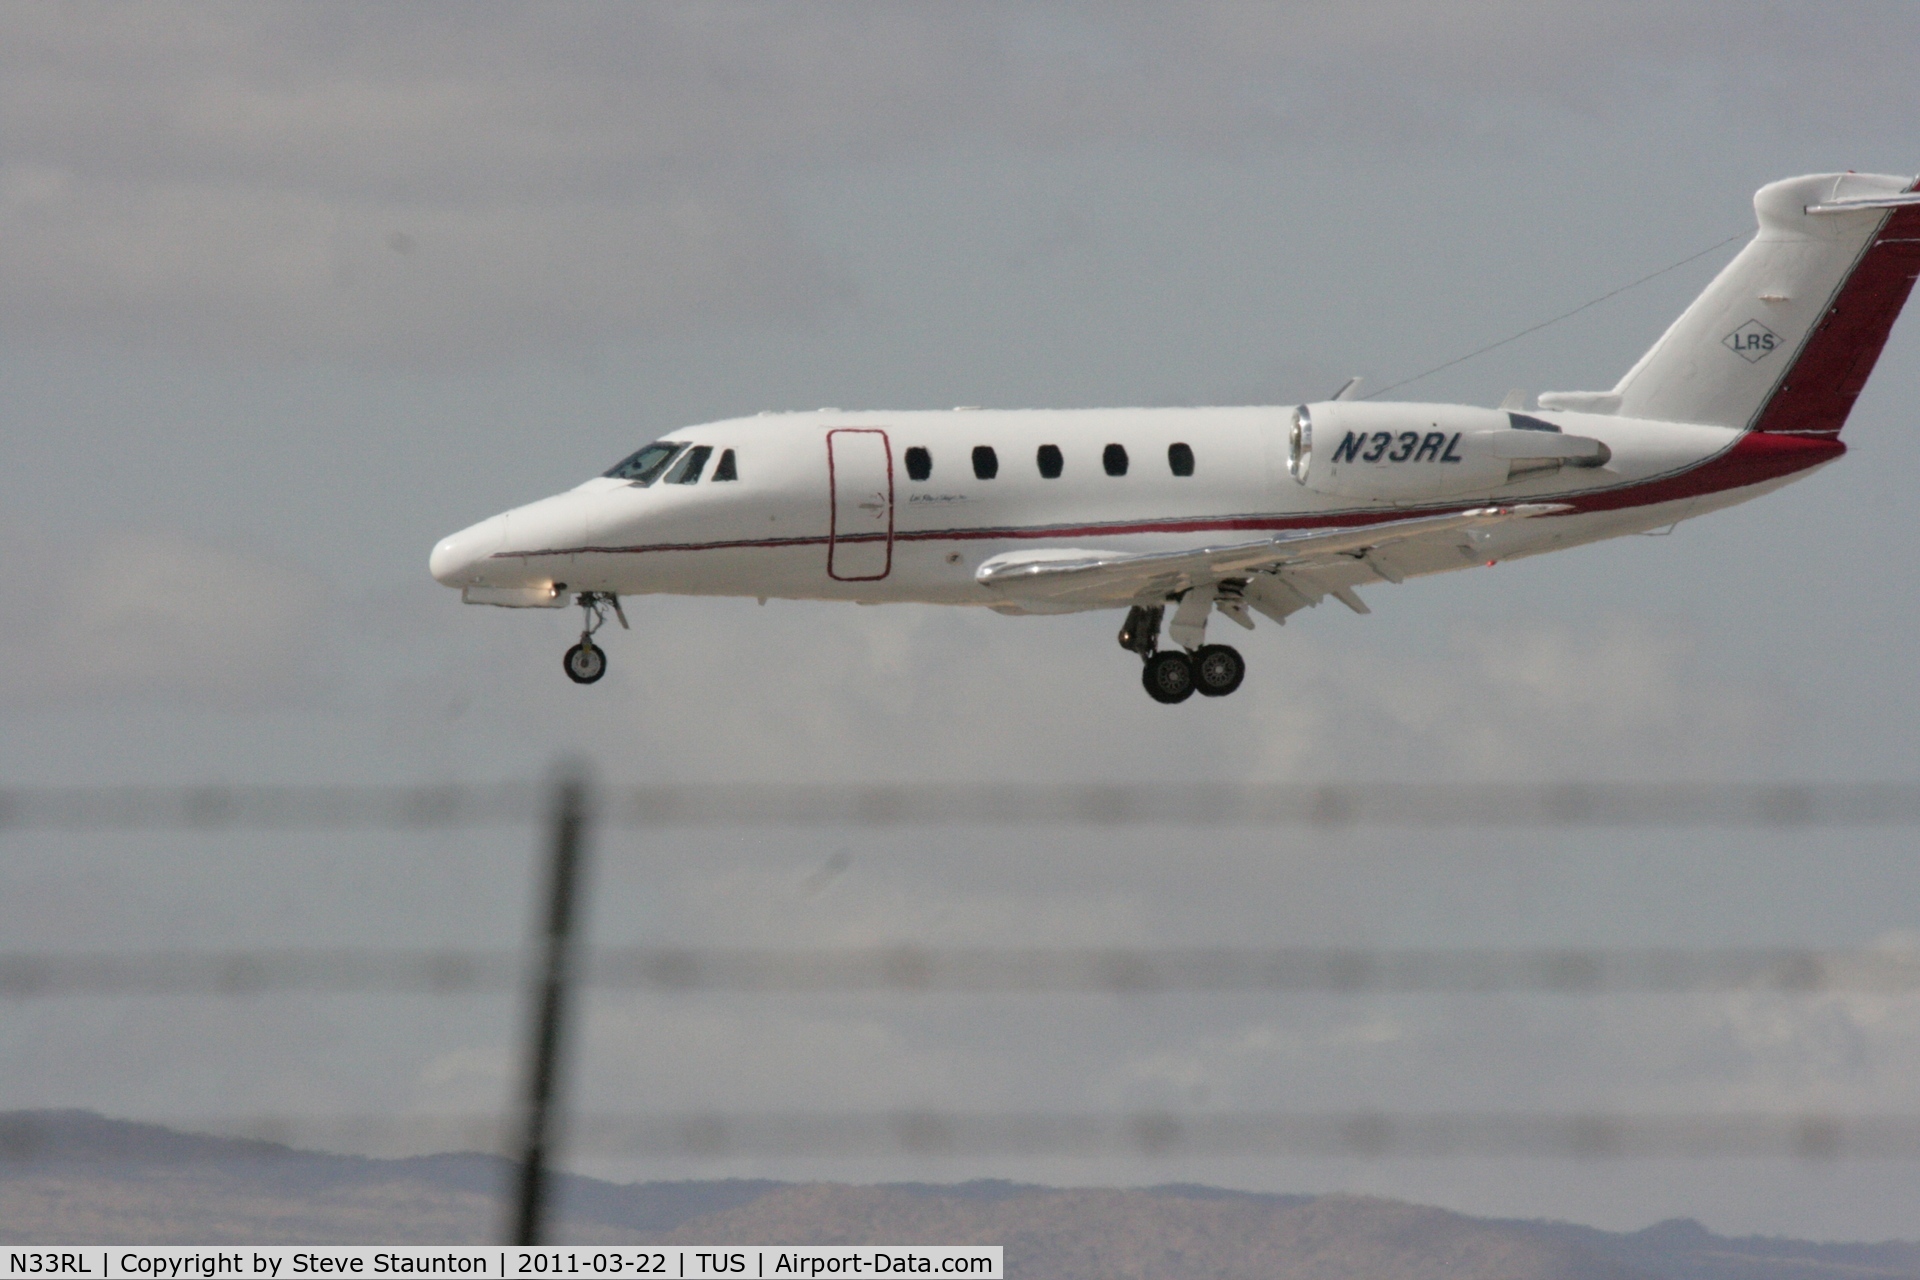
1817, 391
1753, 459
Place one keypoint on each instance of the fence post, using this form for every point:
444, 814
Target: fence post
569, 817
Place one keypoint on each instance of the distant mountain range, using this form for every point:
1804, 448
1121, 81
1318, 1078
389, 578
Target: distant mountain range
72, 1177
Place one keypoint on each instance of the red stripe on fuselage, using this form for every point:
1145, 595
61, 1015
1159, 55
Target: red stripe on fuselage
1753, 458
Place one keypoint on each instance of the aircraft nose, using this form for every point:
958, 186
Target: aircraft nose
455, 561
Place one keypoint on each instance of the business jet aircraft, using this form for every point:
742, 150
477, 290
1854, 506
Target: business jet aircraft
1239, 511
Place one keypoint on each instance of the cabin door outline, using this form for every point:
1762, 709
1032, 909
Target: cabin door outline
860, 497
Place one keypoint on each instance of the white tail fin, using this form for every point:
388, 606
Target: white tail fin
1784, 337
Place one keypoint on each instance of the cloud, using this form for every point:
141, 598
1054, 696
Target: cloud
454, 181
1520, 699
916, 693
1846, 1051
153, 615
797, 1058
263, 272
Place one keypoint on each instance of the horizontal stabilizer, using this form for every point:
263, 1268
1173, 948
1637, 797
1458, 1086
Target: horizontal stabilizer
1900, 201
1580, 401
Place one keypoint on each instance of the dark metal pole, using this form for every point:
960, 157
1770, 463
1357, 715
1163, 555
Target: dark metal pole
547, 1023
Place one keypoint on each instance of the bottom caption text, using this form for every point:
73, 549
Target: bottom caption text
279, 1262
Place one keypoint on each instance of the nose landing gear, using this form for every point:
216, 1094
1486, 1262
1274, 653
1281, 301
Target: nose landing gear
587, 661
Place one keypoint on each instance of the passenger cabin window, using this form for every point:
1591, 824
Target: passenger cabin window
1114, 459
644, 467
725, 468
1180, 459
1050, 461
986, 463
919, 463
688, 469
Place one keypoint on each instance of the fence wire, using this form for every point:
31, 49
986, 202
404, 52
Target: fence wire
1365, 1135
1458, 805
920, 970
1119, 971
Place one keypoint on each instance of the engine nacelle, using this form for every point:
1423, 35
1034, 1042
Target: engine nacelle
1416, 452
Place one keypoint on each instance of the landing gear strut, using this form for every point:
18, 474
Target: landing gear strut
587, 661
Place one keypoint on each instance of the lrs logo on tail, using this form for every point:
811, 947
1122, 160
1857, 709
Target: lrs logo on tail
1752, 341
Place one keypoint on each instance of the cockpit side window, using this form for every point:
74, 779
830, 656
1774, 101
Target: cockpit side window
691, 464
644, 467
725, 469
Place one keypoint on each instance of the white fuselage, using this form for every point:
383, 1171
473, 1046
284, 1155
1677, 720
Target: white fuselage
826, 504
1175, 515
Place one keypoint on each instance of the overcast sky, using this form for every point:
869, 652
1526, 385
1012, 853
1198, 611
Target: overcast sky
289, 292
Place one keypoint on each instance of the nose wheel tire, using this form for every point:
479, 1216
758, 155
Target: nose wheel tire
1218, 670
1168, 676
586, 662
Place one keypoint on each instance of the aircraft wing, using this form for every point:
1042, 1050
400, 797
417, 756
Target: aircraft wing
1073, 576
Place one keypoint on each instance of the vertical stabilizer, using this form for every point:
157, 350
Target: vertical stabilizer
1785, 336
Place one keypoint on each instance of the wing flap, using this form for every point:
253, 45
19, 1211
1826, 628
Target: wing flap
1078, 574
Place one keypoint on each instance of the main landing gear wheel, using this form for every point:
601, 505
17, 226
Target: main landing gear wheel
1218, 670
1168, 676
586, 662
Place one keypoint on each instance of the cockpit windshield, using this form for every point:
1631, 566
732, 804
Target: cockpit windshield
644, 467
691, 464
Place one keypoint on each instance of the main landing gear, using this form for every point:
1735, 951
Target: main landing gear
587, 661
1218, 670
1174, 675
